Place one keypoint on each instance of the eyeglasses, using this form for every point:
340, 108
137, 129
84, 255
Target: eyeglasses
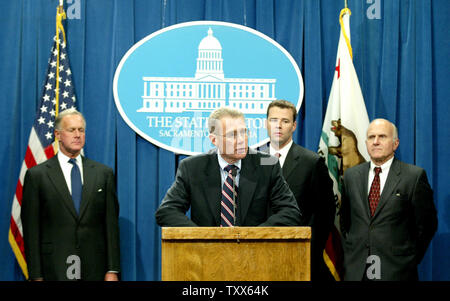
235, 134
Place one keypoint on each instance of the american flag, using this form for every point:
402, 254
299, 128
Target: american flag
58, 94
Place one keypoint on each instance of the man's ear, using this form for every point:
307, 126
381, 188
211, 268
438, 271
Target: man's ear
396, 144
213, 139
57, 134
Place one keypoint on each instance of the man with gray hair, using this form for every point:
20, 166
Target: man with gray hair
70, 211
388, 214
228, 186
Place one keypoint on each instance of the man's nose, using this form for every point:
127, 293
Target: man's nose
240, 138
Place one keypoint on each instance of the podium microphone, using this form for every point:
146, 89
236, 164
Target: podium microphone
233, 177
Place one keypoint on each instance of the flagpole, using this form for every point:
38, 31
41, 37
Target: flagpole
344, 11
346, 6
60, 15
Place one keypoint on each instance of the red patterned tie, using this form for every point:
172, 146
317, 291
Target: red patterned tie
374, 194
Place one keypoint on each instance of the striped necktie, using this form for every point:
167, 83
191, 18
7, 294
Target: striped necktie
229, 196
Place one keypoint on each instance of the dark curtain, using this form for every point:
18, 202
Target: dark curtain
401, 50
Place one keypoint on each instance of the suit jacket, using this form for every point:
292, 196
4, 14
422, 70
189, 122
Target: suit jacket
403, 224
307, 177
264, 198
53, 230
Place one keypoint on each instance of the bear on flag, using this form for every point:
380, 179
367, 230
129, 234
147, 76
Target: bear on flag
342, 142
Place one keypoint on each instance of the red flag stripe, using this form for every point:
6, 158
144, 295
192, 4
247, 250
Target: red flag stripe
29, 158
19, 190
17, 236
36, 147
49, 151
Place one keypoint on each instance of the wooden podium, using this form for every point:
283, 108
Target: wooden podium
236, 254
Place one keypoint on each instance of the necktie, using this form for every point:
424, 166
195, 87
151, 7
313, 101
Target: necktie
374, 194
227, 212
278, 155
75, 178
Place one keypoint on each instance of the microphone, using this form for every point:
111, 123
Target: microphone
233, 177
234, 171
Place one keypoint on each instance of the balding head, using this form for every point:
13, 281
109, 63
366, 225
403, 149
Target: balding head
382, 140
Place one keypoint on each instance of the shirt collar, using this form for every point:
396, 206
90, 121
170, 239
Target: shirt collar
223, 163
283, 151
65, 159
385, 166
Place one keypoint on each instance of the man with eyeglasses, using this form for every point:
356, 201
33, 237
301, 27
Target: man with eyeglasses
230, 185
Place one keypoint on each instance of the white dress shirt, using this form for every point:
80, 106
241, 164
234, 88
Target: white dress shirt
283, 152
383, 174
223, 173
67, 168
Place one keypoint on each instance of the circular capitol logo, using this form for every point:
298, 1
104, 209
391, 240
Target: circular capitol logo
167, 84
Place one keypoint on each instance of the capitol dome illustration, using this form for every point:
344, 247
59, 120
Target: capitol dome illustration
209, 42
209, 61
208, 89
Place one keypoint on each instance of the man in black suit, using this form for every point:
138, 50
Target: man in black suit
307, 177
261, 196
66, 240
388, 213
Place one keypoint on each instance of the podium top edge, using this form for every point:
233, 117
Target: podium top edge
209, 233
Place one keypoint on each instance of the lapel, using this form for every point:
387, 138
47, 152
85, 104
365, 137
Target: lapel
57, 178
213, 185
391, 182
248, 179
89, 179
291, 161
363, 179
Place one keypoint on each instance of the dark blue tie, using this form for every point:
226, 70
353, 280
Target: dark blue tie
228, 206
77, 188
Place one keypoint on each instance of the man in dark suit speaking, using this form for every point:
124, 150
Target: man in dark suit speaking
307, 176
70, 212
230, 185
388, 213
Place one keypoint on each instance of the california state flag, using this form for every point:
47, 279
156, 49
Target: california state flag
342, 142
